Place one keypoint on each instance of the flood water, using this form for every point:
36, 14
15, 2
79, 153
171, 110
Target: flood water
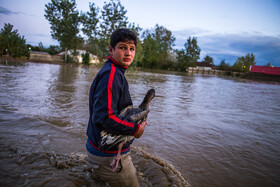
203, 130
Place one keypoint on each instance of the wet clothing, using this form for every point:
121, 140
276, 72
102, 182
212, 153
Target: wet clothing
109, 94
103, 171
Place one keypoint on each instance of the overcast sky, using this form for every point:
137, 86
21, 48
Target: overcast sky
225, 29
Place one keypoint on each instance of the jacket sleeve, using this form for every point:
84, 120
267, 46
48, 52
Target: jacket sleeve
106, 98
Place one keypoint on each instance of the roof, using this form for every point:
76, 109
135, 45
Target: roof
265, 70
204, 64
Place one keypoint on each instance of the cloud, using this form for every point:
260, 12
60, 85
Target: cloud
6, 11
231, 46
190, 32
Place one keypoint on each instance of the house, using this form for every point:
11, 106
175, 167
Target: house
78, 56
201, 67
204, 66
269, 70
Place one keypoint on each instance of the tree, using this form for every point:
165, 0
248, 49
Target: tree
188, 57
244, 63
113, 16
90, 28
99, 29
12, 43
193, 51
138, 54
149, 51
165, 42
40, 48
181, 59
224, 66
90, 21
64, 20
54, 49
86, 58
139, 49
209, 59
157, 47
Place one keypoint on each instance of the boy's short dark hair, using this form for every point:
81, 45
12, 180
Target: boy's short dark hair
122, 35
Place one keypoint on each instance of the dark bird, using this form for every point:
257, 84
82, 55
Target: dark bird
136, 114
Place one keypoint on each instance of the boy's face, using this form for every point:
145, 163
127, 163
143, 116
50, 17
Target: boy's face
123, 53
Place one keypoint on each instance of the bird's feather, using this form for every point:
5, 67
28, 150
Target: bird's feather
136, 114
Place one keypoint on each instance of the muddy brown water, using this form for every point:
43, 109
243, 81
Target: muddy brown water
203, 130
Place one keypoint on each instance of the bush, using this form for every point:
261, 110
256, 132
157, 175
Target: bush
85, 58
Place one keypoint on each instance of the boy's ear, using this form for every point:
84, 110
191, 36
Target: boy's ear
111, 50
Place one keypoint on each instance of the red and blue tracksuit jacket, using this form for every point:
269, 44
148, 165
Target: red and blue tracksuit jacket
109, 94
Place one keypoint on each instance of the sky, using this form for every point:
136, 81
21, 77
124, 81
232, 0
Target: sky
225, 29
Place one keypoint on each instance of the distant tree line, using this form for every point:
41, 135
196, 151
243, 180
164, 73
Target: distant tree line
11, 43
14, 45
242, 64
154, 48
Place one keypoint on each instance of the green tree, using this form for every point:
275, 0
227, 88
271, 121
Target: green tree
192, 51
12, 43
64, 20
188, 57
224, 66
86, 58
165, 42
90, 22
244, 63
40, 48
181, 59
54, 49
99, 29
157, 47
209, 59
113, 16
139, 49
149, 51
138, 58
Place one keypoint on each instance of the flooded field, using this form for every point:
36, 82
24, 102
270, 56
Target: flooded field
203, 130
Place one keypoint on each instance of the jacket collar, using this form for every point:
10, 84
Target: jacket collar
113, 60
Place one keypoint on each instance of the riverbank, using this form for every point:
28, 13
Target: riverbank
262, 77
6, 59
9, 60
248, 75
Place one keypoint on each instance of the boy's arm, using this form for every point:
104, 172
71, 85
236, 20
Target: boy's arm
106, 115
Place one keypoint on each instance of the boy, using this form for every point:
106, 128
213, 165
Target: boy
109, 94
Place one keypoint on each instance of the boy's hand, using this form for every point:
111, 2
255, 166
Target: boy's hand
141, 129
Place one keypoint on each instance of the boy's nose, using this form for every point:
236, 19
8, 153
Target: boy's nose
127, 52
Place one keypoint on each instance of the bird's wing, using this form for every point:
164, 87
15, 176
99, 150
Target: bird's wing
124, 111
141, 116
109, 140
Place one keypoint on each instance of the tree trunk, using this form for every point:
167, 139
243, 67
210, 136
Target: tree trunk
65, 56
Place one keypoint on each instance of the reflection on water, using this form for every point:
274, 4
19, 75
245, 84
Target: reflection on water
215, 131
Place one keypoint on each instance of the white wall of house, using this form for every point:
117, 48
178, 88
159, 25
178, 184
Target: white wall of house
79, 58
204, 68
